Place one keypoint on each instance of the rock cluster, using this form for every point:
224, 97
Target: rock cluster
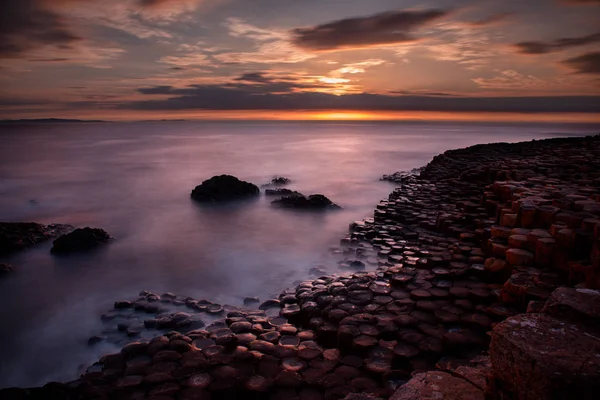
79, 240
282, 192
224, 188
278, 181
15, 236
301, 202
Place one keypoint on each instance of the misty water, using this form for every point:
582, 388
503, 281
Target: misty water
134, 180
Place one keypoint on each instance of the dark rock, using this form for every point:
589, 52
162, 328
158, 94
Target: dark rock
279, 181
80, 240
438, 385
282, 192
540, 357
251, 300
581, 305
312, 202
224, 188
15, 236
5, 269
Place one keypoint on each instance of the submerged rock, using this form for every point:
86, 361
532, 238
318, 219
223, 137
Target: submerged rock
282, 192
80, 240
312, 202
5, 269
224, 188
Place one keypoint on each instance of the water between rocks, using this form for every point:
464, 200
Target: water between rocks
134, 180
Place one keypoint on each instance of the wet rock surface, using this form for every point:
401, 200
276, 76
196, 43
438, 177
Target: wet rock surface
16, 236
224, 188
282, 192
497, 242
80, 240
278, 181
301, 202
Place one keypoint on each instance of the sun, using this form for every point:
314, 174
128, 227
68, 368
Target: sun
341, 115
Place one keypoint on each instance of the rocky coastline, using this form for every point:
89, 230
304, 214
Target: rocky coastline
475, 279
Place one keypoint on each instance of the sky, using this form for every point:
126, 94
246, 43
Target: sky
300, 59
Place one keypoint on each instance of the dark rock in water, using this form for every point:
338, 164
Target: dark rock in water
282, 192
278, 181
357, 264
15, 236
312, 202
224, 188
95, 339
251, 300
80, 240
5, 269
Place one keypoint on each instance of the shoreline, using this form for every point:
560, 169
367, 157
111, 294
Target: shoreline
464, 271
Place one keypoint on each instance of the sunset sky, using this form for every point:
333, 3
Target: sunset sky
315, 59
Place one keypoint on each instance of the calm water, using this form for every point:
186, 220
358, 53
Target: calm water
134, 180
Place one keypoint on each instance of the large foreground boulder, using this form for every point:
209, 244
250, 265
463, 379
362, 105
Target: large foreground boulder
312, 202
224, 188
80, 240
537, 356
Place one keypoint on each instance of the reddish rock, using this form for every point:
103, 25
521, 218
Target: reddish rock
575, 304
536, 356
437, 385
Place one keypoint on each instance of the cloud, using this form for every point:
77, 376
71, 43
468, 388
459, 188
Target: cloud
270, 52
380, 29
26, 25
556, 45
580, 2
257, 77
238, 28
585, 64
512, 80
357, 67
272, 46
461, 43
274, 96
491, 20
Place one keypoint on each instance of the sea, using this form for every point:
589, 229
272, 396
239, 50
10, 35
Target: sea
133, 179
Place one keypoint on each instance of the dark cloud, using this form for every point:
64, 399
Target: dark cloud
585, 64
491, 20
556, 45
379, 29
27, 24
258, 77
580, 2
56, 59
158, 3
421, 93
262, 97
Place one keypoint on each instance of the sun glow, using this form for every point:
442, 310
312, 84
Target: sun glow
341, 115
333, 80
